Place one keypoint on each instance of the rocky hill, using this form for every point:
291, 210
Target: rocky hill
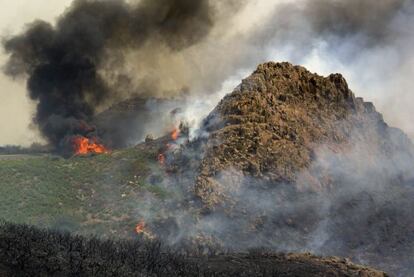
294, 161
273, 124
289, 161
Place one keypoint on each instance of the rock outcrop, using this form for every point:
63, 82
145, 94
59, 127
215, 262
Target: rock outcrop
272, 124
295, 162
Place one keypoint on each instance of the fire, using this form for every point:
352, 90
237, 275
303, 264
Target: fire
83, 146
161, 159
168, 146
175, 133
140, 228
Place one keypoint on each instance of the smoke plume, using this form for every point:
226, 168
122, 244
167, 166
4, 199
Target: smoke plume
64, 62
101, 52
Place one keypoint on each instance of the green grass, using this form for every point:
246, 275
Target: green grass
94, 194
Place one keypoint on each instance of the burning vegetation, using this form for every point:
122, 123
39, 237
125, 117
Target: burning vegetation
161, 159
175, 134
83, 146
171, 143
66, 63
257, 177
140, 228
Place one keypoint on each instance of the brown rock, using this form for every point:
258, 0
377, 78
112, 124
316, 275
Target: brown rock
269, 126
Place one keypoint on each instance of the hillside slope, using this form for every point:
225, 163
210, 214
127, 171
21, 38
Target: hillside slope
289, 161
95, 194
294, 161
26, 251
271, 126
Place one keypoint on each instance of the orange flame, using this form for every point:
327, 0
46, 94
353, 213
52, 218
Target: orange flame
161, 159
83, 146
174, 136
140, 228
175, 133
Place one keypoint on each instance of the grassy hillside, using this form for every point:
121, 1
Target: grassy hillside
93, 194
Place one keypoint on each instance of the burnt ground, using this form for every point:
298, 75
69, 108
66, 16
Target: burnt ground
26, 251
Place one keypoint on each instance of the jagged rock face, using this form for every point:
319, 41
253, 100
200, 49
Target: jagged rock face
271, 125
294, 161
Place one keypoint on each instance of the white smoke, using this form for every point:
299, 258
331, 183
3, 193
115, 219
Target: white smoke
368, 42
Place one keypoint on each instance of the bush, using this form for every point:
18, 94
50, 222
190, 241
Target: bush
28, 251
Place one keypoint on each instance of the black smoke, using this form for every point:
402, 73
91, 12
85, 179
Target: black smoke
63, 62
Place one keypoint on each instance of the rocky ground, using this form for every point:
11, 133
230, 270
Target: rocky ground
271, 126
294, 160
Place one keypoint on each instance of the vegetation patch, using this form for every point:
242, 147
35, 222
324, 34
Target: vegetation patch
86, 194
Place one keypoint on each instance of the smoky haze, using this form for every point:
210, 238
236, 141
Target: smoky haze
62, 62
102, 52
368, 41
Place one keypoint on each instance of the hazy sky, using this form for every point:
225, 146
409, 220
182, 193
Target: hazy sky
14, 106
381, 73
16, 109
